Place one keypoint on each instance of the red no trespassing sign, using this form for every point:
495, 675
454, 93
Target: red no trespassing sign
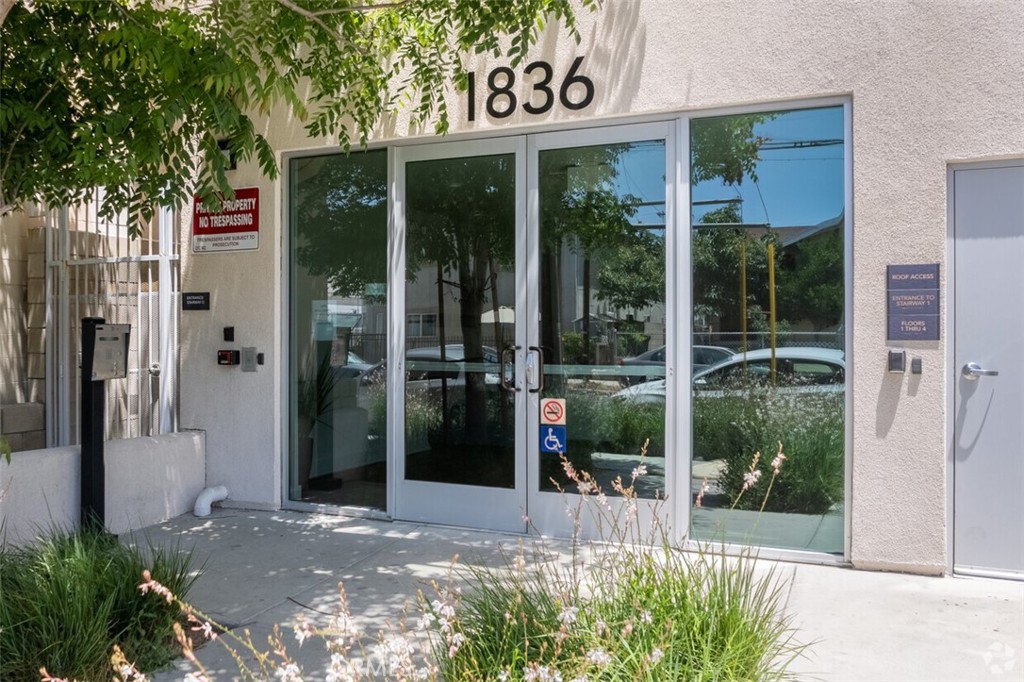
233, 226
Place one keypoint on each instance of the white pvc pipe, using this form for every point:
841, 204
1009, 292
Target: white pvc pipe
207, 498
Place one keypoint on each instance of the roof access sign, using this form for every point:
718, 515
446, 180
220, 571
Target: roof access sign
235, 227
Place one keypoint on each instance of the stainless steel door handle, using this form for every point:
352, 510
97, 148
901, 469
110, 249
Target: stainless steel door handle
973, 370
540, 369
507, 369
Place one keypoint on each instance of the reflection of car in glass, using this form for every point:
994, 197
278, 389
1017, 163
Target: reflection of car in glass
354, 366
425, 363
633, 372
796, 369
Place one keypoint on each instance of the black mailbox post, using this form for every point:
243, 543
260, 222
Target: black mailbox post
104, 356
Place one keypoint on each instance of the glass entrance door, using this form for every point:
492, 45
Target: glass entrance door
461, 215
536, 333
601, 223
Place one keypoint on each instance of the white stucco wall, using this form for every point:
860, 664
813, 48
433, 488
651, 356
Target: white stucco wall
147, 480
930, 83
236, 409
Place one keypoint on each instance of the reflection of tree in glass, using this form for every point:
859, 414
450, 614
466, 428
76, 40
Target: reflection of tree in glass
720, 256
632, 274
809, 272
461, 224
726, 148
583, 211
810, 281
341, 221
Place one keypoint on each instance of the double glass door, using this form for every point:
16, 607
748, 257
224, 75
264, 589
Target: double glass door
533, 346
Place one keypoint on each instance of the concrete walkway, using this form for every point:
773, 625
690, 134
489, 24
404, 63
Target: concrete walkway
267, 568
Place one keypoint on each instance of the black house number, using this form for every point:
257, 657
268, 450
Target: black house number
575, 92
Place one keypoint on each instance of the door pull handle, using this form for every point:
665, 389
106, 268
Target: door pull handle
973, 370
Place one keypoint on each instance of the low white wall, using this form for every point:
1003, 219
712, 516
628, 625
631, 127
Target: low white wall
148, 480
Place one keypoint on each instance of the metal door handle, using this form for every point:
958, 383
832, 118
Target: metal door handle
540, 369
505, 362
973, 370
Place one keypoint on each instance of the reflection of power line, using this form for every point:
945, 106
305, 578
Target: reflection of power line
707, 202
760, 196
799, 144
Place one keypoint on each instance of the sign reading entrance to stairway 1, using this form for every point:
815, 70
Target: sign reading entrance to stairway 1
552, 411
552, 438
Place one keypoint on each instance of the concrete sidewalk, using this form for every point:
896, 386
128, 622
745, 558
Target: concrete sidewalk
267, 568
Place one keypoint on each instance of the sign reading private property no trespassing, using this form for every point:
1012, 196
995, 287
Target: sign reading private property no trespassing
234, 227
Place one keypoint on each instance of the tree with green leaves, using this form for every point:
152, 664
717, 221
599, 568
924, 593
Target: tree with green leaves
140, 96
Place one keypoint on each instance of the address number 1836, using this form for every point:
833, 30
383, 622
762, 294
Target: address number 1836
575, 92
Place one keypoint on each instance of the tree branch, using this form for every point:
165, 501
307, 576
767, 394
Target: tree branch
13, 140
313, 14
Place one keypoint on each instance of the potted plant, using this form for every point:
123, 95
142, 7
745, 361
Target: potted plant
315, 399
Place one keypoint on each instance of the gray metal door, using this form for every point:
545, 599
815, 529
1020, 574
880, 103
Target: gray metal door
988, 429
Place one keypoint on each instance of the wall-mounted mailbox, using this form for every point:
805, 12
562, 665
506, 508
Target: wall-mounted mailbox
107, 358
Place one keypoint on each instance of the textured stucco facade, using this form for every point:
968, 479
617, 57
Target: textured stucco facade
928, 84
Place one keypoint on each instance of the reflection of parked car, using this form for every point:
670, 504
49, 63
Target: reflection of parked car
633, 371
354, 366
425, 363
796, 368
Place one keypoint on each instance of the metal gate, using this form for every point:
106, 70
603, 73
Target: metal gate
95, 269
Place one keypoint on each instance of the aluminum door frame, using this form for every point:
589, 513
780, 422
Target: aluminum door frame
498, 509
547, 510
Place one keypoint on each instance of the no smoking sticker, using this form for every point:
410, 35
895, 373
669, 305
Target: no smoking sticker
552, 411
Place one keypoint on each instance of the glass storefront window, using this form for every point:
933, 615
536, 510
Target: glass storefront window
767, 242
339, 273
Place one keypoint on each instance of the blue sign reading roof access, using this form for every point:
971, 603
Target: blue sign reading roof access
552, 438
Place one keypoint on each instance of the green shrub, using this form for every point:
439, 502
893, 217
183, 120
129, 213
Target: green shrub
640, 614
66, 601
810, 427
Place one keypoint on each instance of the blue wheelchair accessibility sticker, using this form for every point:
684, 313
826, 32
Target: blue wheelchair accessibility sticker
552, 438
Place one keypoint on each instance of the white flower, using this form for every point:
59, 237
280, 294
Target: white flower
751, 478
340, 670
289, 673
568, 615
598, 656
600, 627
455, 642
343, 626
646, 617
640, 471
303, 632
425, 621
543, 673
777, 462
656, 656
